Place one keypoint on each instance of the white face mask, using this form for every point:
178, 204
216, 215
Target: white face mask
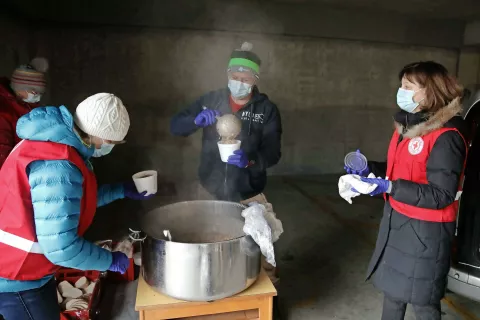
105, 149
32, 98
239, 89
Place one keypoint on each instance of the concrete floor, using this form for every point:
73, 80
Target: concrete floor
322, 256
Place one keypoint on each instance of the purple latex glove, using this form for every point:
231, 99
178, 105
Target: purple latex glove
239, 159
206, 118
120, 262
383, 186
362, 173
131, 192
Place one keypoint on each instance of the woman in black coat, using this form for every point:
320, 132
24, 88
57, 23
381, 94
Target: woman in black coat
421, 184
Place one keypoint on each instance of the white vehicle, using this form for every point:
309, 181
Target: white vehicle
464, 275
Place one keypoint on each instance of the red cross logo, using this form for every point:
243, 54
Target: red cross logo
415, 146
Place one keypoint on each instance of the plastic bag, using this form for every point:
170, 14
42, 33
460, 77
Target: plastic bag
263, 226
274, 224
126, 247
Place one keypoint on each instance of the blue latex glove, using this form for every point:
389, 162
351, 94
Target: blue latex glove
362, 173
383, 186
206, 118
120, 262
131, 192
239, 159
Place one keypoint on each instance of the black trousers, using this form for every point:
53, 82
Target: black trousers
395, 310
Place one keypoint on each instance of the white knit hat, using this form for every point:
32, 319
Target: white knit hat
103, 115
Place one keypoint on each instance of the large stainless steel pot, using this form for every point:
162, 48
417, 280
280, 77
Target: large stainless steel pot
209, 257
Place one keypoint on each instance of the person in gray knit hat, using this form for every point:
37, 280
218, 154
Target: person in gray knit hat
260, 135
245, 176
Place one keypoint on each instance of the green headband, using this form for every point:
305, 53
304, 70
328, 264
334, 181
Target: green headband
244, 63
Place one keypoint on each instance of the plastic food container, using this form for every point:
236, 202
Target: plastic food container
227, 149
146, 181
356, 161
93, 310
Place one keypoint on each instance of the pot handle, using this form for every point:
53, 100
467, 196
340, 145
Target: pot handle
136, 236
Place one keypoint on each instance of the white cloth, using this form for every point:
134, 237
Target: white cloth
264, 228
349, 181
103, 115
273, 222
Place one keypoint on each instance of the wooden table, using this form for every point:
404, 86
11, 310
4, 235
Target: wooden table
155, 306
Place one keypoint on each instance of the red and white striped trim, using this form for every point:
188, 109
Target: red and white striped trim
20, 243
16, 241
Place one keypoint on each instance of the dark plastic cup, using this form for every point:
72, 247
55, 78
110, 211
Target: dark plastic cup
356, 161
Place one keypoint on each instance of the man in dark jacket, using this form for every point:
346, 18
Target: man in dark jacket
245, 174
18, 96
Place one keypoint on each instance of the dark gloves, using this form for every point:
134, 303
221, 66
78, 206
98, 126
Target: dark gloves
120, 262
239, 159
206, 118
383, 186
130, 192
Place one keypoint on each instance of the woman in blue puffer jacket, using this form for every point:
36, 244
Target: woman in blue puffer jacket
48, 198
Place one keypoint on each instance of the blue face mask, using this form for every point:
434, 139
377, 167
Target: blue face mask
105, 149
239, 89
405, 100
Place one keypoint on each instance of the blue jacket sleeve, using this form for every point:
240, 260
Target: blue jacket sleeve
108, 193
56, 189
182, 124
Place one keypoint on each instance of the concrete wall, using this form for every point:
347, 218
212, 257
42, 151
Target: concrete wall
469, 62
14, 43
334, 95
469, 68
472, 34
300, 18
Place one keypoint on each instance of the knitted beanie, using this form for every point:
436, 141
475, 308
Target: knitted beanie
30, 77
103, 115
244, 59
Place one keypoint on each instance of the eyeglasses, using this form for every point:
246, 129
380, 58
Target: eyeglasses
115, 142
100, 140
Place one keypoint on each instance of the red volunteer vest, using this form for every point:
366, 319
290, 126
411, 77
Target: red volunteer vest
407, 160
22, 258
